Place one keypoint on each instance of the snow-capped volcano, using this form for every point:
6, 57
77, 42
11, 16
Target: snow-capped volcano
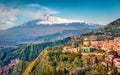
45, 29
51, 20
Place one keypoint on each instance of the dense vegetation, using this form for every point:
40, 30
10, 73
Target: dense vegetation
27, 52
112, 29
51, 61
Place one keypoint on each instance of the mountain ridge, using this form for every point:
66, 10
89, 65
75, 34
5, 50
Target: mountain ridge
31, 30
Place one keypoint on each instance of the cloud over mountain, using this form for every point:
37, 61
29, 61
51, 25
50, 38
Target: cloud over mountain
9, 16
43, 8
51, 20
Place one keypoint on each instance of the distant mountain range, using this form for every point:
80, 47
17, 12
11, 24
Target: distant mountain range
47, 28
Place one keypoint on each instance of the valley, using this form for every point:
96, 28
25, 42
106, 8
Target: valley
32, 32
90, 53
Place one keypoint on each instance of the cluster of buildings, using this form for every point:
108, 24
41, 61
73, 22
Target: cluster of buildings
105, 44
113, 62
116, 62
4, 70
90, 44
74, 48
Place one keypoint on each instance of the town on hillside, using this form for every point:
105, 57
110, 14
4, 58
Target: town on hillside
110, 49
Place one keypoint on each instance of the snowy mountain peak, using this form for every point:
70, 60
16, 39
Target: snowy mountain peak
51, 20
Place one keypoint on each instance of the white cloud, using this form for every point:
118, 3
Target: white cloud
32, 14
7, 15
37, 13
9, 23
49, 11
43, 8
33, 5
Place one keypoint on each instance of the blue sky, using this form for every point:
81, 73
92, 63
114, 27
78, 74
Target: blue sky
16, 12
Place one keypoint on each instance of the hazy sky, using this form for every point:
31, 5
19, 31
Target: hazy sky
16, 12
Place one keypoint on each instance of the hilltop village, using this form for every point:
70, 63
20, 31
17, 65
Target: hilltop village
91, 45
108, 48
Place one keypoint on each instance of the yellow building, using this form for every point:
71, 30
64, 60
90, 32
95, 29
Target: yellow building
86, 42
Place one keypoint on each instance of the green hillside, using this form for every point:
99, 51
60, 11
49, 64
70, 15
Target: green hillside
106, 32
28, 52
53, 61
112, 29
